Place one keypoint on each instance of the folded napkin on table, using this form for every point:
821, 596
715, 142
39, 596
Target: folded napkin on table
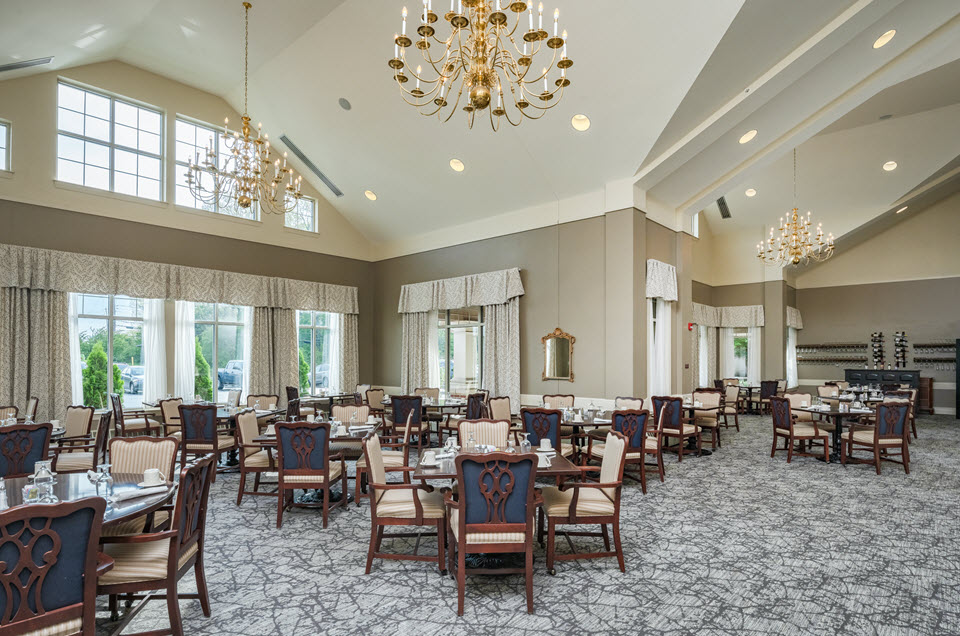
141, 492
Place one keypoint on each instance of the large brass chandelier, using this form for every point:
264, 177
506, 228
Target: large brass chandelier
243, 172
484, 60
795, 243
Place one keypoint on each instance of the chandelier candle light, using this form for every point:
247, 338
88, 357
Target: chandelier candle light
244, 172
795, 243
480, 59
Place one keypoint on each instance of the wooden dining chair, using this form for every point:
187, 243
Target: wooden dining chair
890, 433
768, 389
488, 432
787, 427
304, 462
136, 455
293, 393
156, 561
396, 457
132, 422
170, 416
79, 458
266, 400
708, 416
374, 399
30, 414
254, 459
545, 423
492, 512
77, 422
400, 504
633, 426
591, 503
402, 405
731, 405
51, 566
200, 435
559, 401
499, 408
21, 446
6, 412
628, 404
669, 420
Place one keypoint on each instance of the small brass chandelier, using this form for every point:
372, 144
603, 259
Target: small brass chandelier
795, 243
244, 172
482, 58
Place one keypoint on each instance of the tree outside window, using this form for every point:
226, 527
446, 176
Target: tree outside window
110, 331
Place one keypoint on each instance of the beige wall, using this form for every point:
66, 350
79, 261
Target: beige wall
30, 104
37, 226
921, 246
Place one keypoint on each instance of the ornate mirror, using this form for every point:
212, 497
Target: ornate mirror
558, 355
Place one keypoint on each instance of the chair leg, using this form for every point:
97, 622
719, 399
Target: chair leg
906, 455
606, 537
528, 572
876, 457
913, 425
451, 547
114, 612
441, 538
540, 526
281, 501
660, 464
173, 609
790, 450
326, 504
202, 586
736, 421
356, 486
643, 476
616, 543
699, 444
826, 449
551, 545
843, 452
461, 580
370, 550
680, 450
243, 483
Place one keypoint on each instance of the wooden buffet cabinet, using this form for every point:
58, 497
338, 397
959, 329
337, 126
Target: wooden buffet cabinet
924, 386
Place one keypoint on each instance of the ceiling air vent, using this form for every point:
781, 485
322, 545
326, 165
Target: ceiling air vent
310, 166
15, 66
724, 208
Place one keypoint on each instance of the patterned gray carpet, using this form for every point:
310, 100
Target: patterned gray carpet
735, 543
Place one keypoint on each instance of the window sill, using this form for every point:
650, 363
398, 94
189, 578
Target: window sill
298, 231
218, 216
6, 174
73, 187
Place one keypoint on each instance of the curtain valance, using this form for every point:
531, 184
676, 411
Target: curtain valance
491, 288
661, 280
705, 315
35, 268
793, 318
743, 316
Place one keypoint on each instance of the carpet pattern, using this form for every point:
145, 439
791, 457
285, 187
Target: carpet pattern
736, 543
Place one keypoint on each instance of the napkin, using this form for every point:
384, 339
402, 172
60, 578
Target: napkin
141, 492
445, 455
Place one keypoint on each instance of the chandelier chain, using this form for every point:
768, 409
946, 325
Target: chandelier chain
246, 50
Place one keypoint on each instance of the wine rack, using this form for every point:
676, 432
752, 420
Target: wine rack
876, 342
900, 350
837, 353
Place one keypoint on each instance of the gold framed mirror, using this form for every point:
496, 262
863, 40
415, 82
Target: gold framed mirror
558, 355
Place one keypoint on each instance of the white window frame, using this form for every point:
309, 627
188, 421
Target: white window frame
445, 331
218, 132
112, 319
313, 220
111, 143
216, 322
313, 327
5, 137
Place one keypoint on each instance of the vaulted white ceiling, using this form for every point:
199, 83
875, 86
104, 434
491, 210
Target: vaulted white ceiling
669, 87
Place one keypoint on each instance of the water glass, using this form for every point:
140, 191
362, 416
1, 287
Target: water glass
525, 445
511, 446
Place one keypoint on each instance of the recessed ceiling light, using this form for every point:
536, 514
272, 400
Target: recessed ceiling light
890, 165
457, 165
751, 192
748, 136
370, 194
884, 39
580, 123
345, 103
902, 209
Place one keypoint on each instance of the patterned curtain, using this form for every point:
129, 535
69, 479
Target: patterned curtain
35, 350
274, 363
348, 364
419, 354
501, 350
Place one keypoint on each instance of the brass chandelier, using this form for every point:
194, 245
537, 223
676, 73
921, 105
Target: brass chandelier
244, 173
795, 243
481, 59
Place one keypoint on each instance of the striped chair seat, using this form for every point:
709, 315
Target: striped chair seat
259, 459
688, 429
398, 504
73, 626
134, 562
485, 537
805, 430
591, 502
866, 437
138, 424
74, 461
566, 449
223, 441
597, 450
390, 459
135, 526
707, 422
313, 479
730, 410
349, 445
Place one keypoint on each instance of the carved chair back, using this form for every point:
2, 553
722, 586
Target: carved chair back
135, 455
293, 393
77, 421
190, 507
490, 432
303, 448
780, 407
21, 446
476, 406
558, 401
768, 388
542, 423
403, 405
632, 424
891, 420
668, 412
497, 492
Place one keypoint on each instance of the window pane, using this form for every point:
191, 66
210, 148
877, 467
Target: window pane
69, 171
740, 346
205, 369
205, 311
96, 155
92, 333
303, 346
149, 142
322, 318
69, 148
69, 121
125, 183
321, 358
70, 97
128, 307
229, 359
304, 317
94, 177
97, 106
229, 313
186, 132
464, 360
125, 114
465, 315
148, 188
96, 128
442, 355
126, 161
125, 136
94, 304
302, 217
149, 121
128, 357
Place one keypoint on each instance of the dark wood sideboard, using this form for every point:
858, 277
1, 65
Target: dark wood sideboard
924, 386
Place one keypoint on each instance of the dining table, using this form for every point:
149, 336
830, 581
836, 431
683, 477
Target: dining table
447, 468
73, 486
837, 416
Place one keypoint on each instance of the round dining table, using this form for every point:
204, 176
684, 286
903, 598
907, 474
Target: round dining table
74, 486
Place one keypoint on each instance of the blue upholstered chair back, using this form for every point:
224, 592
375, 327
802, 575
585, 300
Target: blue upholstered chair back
199, 422
403, 404
303, 446
633, 426
496, 488
193, 492
540, 423
892, 418
768, 388
47, 552
668, 411
21, 446
475, 406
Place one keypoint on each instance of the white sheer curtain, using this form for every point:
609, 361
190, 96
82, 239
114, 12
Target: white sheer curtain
154, 351
728, 361
754, 357
658, 347
792, 374
76, 371
433, 360
703, 372
185, 353
247, 352
334, 353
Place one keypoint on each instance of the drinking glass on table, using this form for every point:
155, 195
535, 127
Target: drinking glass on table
511, 446
525, 445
